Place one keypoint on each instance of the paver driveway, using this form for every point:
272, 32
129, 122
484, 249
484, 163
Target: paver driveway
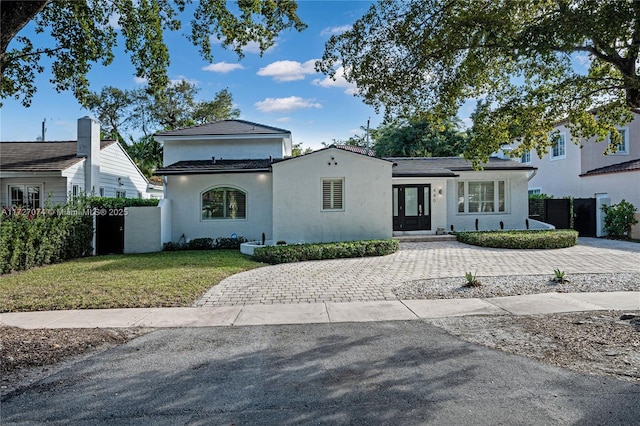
368, 279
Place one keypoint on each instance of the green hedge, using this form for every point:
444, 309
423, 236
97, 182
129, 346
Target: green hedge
220, 243
543, 239
301, 252
43, 236
120, 203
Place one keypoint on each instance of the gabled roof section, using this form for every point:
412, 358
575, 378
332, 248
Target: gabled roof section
627, 166
362, 152
40, 156
226, 128
216, 166
447, 166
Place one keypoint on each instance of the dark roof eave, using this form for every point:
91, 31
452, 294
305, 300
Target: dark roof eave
208, 171
426, 174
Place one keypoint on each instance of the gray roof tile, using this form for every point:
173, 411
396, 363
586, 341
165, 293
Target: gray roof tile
219, 166
447, 166
40, 156
627, 166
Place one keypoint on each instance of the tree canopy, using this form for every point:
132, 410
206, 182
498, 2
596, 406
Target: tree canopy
518, 57
419, 137
81, 33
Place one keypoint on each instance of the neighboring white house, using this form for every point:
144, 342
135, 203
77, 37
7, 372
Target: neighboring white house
580, 169
234, 177
32, 173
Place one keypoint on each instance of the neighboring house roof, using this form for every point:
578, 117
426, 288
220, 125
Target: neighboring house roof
40, 156
357, 149
225, 128
627, 166
447, 166
216, 166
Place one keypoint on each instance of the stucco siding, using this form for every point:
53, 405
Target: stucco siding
232, 149
516, 202
142, 230
593, 153
185, 193
298, 213
618, 186
118, 173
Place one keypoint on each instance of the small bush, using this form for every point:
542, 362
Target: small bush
544, 239
200, 244
302, 252
229, 243
619, 218
171, 246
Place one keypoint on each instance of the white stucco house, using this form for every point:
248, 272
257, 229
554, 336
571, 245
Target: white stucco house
32, 173
234, 177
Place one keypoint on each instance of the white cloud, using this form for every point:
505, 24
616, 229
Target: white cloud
283, 119
222, 67
251, 47
288, 70
339, 81
140, 80
181, 78
291, 103
335, 30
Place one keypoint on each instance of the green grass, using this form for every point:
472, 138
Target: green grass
121, 281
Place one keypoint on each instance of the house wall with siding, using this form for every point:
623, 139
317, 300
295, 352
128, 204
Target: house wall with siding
114, 164
75, 176
227, 149
297, 198
516, 199
185, 193
52, 189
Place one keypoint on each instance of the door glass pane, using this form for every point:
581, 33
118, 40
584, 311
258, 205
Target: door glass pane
395, 201
427, 194
460, 197
501, 207
17, 196
33, 197
411, 201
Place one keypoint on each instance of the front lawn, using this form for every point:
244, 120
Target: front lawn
121, 281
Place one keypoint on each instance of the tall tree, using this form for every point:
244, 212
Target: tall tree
419, 137
83, 32
221, 108
518, 56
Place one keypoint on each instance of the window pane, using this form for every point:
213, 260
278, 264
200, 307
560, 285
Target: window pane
481, 197
224, 203
460, 197
33, 197
559, 146
623, 145
427, 195
501, 207
411, 202
17, 196
235, 204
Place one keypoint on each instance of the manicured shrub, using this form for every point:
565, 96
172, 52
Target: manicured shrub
300, 252
619, 218
200, 244
37, 237
543, 239
120, 203
220, 243
229, 243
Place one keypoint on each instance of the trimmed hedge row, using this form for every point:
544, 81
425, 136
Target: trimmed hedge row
539, 239
42, 238
301, 252
120, 203
220, 243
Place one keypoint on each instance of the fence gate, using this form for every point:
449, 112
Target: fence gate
109, 234
557, 211
584, 216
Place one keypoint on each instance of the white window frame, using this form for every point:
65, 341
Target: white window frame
625, 140
332, 195
121, 193
563, 138
226, 218
25, 193
496, 197
526, 157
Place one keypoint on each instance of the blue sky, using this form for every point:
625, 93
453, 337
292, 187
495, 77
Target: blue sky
281, 88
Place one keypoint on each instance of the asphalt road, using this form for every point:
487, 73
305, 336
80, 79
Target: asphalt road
398, 373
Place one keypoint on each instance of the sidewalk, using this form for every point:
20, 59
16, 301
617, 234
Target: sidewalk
326, 312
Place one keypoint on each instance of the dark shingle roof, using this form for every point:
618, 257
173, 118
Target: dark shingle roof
40, 156
356, 149
219, 166
627, 166
447, 166
225, 127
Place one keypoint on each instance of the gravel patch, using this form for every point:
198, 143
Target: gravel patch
514, 285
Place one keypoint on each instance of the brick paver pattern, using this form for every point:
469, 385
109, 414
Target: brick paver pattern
372, 278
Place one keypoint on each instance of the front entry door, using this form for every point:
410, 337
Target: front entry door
411, 207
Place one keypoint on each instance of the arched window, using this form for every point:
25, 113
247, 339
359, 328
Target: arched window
224, 203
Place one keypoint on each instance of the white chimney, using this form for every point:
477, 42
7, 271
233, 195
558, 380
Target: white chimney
89, 148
